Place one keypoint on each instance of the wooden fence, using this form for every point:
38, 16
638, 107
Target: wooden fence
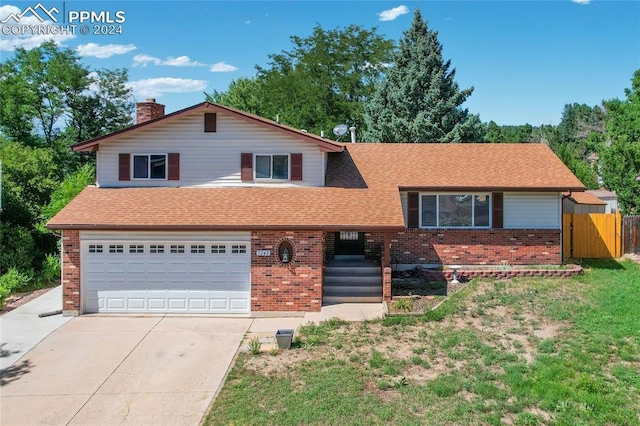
631, 234
592, 236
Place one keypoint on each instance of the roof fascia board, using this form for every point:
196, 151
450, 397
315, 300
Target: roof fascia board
328, 228
489, 189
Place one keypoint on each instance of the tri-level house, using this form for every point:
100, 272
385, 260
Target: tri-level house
213, 210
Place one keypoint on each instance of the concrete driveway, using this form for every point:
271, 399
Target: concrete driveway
115, 370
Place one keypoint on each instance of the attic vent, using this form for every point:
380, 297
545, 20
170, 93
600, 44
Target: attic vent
210, 121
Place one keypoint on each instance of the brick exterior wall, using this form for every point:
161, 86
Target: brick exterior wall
467, 246
293, 287
330, 245
477, 246
70, 272
373, 242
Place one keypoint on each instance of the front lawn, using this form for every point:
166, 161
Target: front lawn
522, 352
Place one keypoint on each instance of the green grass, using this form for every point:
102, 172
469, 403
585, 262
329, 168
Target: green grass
463, 364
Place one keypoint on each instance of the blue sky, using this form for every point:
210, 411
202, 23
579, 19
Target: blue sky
526, 59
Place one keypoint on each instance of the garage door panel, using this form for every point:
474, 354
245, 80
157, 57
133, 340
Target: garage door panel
136, 304
239, 304
149, 276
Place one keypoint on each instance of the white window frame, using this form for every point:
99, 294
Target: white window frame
271, 179
133, 166
473, 210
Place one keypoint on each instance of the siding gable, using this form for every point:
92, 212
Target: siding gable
211, 158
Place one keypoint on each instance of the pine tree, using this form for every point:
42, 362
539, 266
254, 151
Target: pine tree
419, 101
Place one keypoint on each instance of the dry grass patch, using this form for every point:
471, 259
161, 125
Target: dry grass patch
527, 351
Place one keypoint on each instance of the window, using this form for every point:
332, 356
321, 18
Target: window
272, 167
156, 248
95, 248
238, 249
177, 248
136, 248
455, 210
218, 249
197, 248
116, 248
150, 166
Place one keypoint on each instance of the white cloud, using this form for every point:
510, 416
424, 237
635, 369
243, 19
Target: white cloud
105, 50
181, 61
155, 87
9, 42
144, 60
391, 14
222, 67
581, 1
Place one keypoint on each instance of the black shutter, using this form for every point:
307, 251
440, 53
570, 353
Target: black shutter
246, 167
413, 210
498, 211
296, 166
124, 167
174, 166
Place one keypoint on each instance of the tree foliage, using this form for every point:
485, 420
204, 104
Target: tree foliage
522, 133
621, 160
48, 101
419, 100
322, 81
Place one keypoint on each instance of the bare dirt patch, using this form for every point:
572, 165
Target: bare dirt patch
500, 316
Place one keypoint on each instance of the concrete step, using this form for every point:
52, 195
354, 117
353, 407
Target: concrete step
353, 291
349, 257
352, 270
334, 300
337, 280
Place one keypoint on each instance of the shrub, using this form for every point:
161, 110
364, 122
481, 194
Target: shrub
11, 281
51, 268
18, 248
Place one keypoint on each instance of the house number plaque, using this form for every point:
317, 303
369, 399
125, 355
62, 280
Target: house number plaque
263, 252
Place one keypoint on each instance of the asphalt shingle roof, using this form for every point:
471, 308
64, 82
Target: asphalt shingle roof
230, 208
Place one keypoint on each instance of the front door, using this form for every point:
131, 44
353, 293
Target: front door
349, 243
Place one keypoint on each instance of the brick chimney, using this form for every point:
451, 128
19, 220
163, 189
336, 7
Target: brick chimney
148, 110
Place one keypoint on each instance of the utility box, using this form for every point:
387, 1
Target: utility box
284, 338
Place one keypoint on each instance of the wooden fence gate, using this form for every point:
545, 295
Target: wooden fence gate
592, 236
631, 234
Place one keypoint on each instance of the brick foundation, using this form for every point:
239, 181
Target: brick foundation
70, 272
294, 287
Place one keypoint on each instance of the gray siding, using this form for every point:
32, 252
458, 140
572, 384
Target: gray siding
532, 211
208, 159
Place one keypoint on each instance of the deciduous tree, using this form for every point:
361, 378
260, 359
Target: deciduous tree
322, 81
621, 160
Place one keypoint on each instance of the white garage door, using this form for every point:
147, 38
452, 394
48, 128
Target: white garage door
166, 276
